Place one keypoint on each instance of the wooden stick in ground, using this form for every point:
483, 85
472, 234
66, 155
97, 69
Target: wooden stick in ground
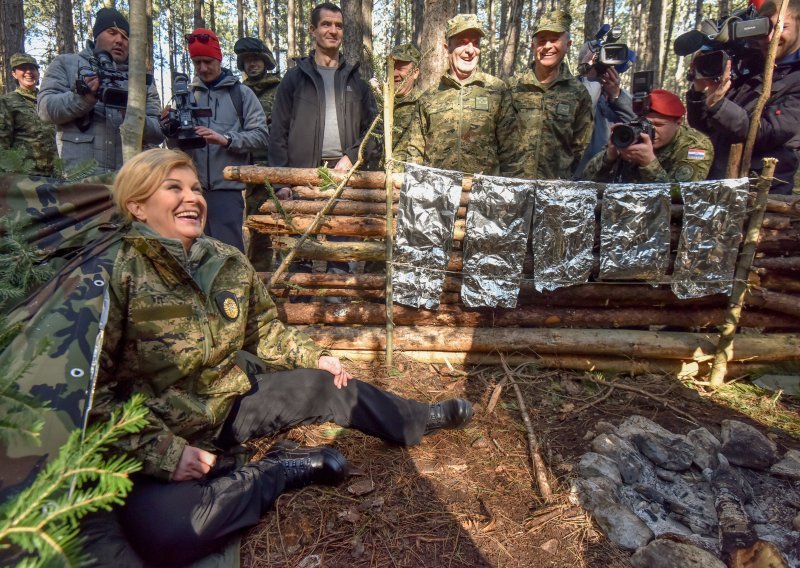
539, 467
388, 123
321, 215
766, 93
496, 392
743, 266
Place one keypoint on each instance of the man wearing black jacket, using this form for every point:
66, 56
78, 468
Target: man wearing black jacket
323, 108
721, 108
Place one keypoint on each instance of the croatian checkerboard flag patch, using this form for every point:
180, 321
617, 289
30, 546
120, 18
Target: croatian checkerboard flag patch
697, 154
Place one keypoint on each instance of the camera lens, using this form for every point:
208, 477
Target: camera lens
624, 135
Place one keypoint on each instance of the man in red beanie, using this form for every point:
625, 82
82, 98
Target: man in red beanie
674, 152
236, 128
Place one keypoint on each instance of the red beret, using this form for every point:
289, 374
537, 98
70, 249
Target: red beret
666, 103
204, 43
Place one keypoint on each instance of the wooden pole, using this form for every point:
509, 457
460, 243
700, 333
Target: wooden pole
388, 123
740, 285
321, 215
766, 92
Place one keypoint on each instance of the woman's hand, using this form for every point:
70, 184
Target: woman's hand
335, 368
194, 464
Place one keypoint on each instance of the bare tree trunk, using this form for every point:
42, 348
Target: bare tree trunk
12, 39
508, 54
301, 29
698, 14
240, 18
667, 51
529, 33
172, 47
263, 34
198, 21
468, 6
724, 8
366, 38
397, 22
437, 12
656, 22
418, 16
148, 11
593, 18
291, 40
212, 16
276, 30
353, 30
492, 59
65, 29
133, 126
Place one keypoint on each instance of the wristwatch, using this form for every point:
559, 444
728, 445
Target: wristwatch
229, 139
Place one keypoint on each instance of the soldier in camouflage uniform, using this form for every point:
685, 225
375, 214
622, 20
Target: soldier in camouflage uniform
677, 153
406, 94
20, 125
257, 62
466, 122
553, 107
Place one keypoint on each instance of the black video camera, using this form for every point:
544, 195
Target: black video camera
180, 121
631, 132
723, 40
110, 92
607, 50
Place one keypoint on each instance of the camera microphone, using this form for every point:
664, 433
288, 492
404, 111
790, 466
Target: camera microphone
688, 43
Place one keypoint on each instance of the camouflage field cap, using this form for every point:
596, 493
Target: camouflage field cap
462, 23
406, 52
557, 21
23, 59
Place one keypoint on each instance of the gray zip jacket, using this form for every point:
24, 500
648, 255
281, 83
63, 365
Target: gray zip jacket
59, 104
246, 135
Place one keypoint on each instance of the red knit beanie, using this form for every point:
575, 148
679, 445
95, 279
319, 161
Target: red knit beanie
201, 48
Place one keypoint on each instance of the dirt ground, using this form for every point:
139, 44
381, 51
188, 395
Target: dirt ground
468, 498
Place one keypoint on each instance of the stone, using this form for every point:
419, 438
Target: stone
604, 427
796, 522
594, 465
706, 448
551, 546
665, 449
663, 553
789, 466
622, 526
593, 493
654, 515
745, 446
633, 467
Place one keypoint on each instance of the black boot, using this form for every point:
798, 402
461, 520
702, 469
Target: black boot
307, 466
449, 414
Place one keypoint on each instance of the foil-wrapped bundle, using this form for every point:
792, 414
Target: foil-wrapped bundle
498, 221
713, 216
563, 233
634, 232
426, 218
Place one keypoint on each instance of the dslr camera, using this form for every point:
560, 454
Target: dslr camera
180, 121
607, 50
110, 92
631, 132
723, 40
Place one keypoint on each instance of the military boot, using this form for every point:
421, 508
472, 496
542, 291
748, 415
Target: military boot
308, 466
449, 415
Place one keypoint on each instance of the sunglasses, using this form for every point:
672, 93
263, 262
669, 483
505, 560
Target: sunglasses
202, 38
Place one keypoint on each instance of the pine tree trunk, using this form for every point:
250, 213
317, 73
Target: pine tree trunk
397, 22
698, 14
437, 12
418, 15
593, 19
148, 10
724, 8
12, 39
263, 34
172, 47
491, 59
353, 30
656, 22
65, 29
198, 21
240, 18
508, 54
301, 29
668, 42
366, 38
212, 15
276, 38
291, 40
133, 126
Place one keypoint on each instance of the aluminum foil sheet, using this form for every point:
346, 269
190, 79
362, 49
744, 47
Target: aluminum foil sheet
563, 233
634, 232
498, 221
426, 218
713, 216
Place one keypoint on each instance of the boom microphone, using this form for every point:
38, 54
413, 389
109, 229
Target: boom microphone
688, 43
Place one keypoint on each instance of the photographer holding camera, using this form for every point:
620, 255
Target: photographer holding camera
85, 95
721, 106
657, 147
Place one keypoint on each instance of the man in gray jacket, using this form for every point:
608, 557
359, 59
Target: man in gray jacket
237, 126
87, 128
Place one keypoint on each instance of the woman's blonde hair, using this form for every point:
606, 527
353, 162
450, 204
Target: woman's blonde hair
141, 176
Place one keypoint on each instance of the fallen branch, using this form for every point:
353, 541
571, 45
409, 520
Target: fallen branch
539, 467
498, 389
596, 401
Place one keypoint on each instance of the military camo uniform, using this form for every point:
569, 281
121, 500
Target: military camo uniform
265, 88
173, 332
21, 127
468, 127
687, 158
405, 109
555, 123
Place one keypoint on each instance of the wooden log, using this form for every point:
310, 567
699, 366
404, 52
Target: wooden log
736, 530
362, 195
298, 207
347, 251
388, 120
575, 363
786, 263
373, 314
788, 205
775, 301
360, 281
636, 344
344, 226
778, 282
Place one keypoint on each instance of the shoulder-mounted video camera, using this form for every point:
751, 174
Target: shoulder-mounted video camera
607, 50
180, 121
110, 92
723, 40
631, 132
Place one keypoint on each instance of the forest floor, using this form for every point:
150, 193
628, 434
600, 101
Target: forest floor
469, 498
